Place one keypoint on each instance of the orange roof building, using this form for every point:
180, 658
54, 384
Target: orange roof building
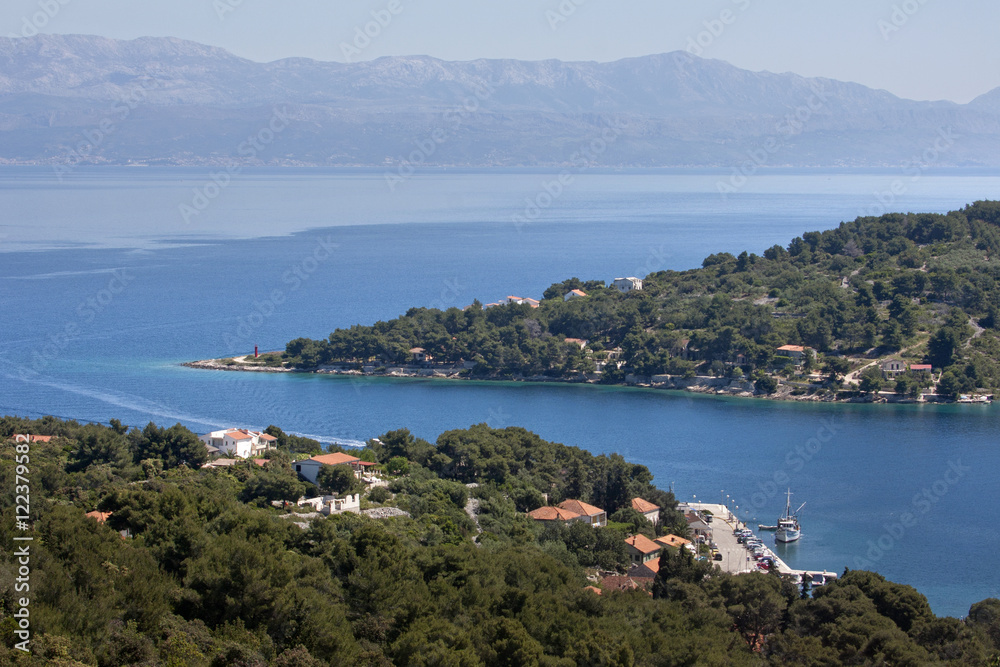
335, 459
309, 469
596, 515
672, 541
553, 514
571, 510
642, 549
647, 509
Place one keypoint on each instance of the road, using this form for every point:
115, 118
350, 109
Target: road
735, 558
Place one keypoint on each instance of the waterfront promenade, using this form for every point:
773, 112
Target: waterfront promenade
736, 559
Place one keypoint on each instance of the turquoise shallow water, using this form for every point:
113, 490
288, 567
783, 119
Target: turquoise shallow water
96, 332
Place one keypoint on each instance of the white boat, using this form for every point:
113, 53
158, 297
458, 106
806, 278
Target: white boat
788, 524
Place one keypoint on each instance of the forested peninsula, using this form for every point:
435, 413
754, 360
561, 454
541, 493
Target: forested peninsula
901, 307
143, 555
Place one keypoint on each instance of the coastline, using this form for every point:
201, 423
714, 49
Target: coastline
705, 385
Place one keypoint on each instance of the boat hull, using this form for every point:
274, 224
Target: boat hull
787, 534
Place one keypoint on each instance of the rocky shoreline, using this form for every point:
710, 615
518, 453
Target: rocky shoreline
715, 386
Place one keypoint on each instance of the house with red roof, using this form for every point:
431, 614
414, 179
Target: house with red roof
574, 294
672, 541
309, 468
571, 510
642, 550
553, 514
647, 509
595, 516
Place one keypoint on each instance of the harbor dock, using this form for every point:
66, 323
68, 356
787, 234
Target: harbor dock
736, 559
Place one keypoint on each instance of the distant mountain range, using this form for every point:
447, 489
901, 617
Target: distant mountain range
82, 99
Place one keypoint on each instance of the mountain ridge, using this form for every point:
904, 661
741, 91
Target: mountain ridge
679, 110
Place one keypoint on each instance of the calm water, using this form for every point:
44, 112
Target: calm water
105, 288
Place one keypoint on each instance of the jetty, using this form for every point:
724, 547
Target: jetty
736, 558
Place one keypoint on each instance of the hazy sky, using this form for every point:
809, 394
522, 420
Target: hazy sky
921, 49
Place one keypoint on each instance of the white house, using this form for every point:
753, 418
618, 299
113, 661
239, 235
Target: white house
240, 443
574, 294
627, 284
893, 368
797, 353
647, 509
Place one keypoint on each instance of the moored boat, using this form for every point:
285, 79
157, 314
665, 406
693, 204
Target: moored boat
788, 524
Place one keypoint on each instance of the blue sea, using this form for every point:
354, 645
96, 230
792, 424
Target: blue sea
106, 286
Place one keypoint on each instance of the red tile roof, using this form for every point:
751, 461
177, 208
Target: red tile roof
553, 514
640, 505
580, 507
238, 434
672, 541
100, 516
920, 367
268, 437
335, 459
618, 582
791, 348
643, 544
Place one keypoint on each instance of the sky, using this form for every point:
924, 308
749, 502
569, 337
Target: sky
918, 49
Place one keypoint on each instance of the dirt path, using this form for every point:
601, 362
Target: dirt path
852, 377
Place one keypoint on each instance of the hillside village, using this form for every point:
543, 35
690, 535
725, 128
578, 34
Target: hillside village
898, 308
146, 545
643, 549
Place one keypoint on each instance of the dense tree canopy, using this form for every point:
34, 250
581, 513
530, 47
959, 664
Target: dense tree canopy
907, 284
209, 572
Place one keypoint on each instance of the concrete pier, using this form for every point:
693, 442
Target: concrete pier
736, 559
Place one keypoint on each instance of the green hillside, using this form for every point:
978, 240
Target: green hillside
196, 567
922, 288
